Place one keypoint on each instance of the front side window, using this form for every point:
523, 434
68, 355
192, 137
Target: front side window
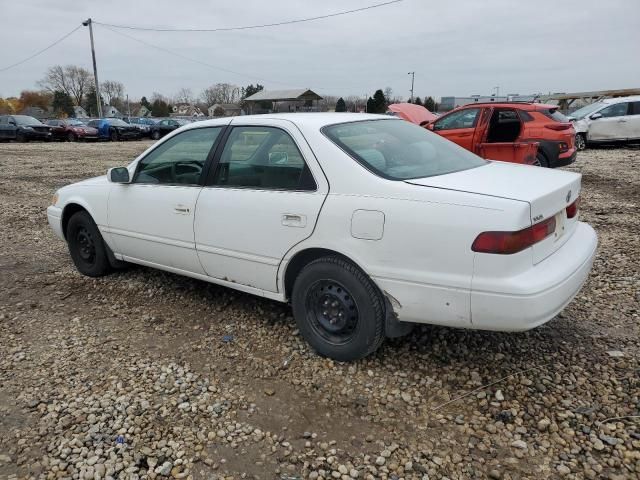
616, 110
262, 158
462, 119
400, 150
179, 160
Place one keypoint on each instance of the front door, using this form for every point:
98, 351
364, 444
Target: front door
459, 127
612, 124
151, 218
262, 198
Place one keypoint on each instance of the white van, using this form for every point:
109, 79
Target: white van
609, 120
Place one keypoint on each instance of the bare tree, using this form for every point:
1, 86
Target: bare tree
73, 80
184, 95
388, 91
220, 93
112, 91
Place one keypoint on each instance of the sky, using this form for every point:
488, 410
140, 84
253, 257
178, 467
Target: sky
456, 47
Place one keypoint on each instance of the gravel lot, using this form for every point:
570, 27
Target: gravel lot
144, 374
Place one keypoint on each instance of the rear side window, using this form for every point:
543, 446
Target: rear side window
635, 108
262, 158
615, 110
554, 114
525, 116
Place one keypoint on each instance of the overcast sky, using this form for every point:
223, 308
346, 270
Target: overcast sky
456, 47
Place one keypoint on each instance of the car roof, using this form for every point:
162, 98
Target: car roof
528, 106
631, 98
308, 119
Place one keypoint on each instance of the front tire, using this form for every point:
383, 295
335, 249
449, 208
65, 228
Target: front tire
338, 309
155, 135
21, 137
581, 141
86, 246
114, 136
72, 137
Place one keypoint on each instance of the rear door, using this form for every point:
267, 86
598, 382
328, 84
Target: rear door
459, 126
612, 124
262, 197
633, 122
512, 151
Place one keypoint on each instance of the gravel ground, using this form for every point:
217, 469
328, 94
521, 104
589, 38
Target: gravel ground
144, 374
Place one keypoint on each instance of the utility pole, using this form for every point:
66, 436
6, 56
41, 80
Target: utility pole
497, 90
413, 76
88, 23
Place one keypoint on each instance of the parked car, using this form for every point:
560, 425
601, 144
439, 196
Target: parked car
144, 124
23, 128
607, 121
507, 131
166, 125
72, 130
114, 129
365, 223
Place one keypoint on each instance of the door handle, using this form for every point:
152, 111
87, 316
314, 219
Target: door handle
182, 209
294, 220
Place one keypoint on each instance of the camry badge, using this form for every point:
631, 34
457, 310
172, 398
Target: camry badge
568, 196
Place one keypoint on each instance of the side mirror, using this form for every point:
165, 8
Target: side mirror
118, 175
595, 116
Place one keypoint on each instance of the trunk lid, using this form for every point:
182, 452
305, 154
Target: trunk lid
548, 193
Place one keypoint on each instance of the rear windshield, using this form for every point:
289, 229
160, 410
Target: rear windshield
400, 150
554, 114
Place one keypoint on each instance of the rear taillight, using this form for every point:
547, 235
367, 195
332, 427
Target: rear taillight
558, 126
506, 243
572, 210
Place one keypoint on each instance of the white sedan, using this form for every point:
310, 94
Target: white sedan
365, 223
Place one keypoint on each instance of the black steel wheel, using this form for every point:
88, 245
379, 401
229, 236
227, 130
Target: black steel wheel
338, 309
86, 246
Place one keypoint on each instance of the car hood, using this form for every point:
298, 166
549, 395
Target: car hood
412, 113
546, 190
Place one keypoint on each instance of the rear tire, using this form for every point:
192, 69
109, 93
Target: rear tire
155, 135
86, 246
338, 309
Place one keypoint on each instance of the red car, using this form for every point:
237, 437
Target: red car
509, 131
72, 130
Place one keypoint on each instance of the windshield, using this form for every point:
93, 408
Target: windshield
118, 123
400, 150
586, 110
181, 121
26, 120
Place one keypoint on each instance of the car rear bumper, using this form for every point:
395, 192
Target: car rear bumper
54, 216
542, 291
566, 158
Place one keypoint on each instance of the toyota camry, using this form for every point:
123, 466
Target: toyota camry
366, 224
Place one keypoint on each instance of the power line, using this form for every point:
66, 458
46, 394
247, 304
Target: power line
171, 52
40, 51
249, 27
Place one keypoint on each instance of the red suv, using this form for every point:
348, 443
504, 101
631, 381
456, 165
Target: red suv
504, 131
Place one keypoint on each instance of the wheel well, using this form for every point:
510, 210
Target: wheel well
67, 213
302, 258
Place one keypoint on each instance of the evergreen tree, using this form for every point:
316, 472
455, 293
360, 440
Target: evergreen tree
160, 108
371, 105
430, 104
379, 102
340, 105
418, 101
145, 103
62, 104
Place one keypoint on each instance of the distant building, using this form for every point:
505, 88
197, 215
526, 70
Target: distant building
37, 112
449, 103
186, 110
79, 112
110, 111
295, 100
143, 112
224, 110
